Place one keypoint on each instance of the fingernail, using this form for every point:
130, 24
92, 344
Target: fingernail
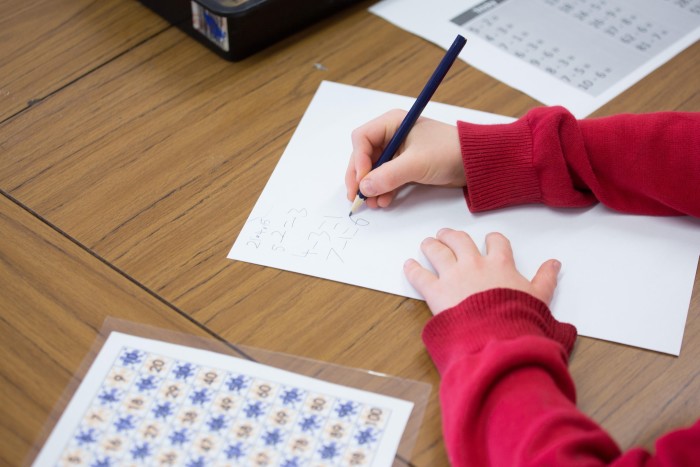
366, 187
557, 265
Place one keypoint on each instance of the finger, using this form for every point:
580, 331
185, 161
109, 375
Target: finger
545, 280
359, 165
392, 175
367, 144
351, 184
366, 147
420, 278
371, 203
369, 139
498, 246
459, 242
363, 164
439, 254
385, 199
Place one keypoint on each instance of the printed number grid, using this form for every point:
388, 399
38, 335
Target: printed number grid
588, 44
154, 410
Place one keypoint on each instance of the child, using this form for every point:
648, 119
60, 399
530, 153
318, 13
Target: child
507, 397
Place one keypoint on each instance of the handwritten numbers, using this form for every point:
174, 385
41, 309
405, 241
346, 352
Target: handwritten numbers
300, 233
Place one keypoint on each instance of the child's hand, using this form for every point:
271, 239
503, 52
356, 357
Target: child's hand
463, 271
430, 155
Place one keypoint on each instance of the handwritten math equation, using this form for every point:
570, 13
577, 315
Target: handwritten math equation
160, 411
304, 234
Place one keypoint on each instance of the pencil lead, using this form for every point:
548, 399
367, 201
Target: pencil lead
356, 204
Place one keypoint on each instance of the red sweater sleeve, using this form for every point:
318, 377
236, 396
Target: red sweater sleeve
641, 164
507, 397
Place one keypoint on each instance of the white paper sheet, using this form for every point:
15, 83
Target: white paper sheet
625, 278
148, 402
575, 53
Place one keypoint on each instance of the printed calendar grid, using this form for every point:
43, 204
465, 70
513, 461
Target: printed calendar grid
153, 409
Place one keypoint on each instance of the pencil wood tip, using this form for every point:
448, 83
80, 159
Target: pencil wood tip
355, 204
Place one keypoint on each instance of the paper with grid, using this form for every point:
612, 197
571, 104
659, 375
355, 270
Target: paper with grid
146, 402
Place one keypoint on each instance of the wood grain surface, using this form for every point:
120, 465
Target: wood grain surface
49, 44
56, 296
143, 156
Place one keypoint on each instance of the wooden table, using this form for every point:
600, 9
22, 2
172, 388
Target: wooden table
130, 156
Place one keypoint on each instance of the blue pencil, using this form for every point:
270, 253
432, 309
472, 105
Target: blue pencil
413, 114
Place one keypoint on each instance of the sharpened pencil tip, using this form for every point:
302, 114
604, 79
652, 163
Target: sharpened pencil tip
356, 204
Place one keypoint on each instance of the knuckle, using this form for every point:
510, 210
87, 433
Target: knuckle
453, 237
429, 244
388, 178
357, 133
396, 113
497, 236
501, 258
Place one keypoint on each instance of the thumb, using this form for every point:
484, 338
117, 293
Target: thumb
390, 176
545, 280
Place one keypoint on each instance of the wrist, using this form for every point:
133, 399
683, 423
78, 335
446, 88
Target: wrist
497, 162
491, 316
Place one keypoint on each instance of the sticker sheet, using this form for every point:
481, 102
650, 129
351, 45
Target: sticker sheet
146, 402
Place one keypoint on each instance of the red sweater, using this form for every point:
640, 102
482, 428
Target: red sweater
640, 164
506, 394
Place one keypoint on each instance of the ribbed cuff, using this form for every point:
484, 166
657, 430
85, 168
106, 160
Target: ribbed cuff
498, 165
496, 314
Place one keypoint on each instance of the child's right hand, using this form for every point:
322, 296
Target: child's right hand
430, 155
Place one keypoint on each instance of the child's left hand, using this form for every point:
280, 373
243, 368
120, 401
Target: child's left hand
463, 271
